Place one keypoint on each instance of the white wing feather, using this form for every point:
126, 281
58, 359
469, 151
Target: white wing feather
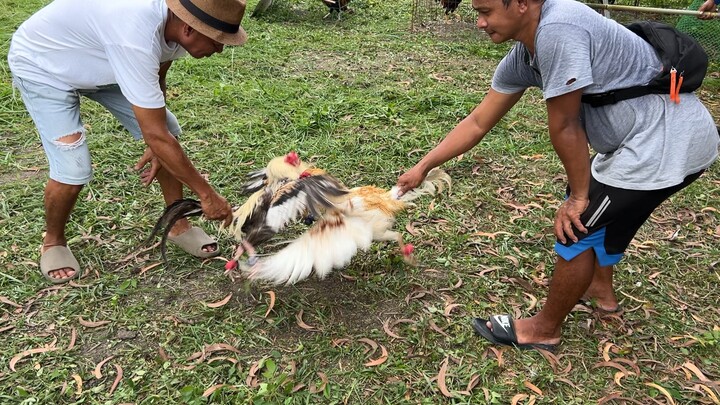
332, 248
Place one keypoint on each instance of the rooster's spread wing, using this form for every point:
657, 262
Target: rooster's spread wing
285, 202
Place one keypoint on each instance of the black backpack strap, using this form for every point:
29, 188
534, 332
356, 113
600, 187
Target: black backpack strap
613, 96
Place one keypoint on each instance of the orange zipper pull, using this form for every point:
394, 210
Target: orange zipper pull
677, 89
673, 74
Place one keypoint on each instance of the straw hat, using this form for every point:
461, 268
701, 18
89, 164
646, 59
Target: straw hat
216, 19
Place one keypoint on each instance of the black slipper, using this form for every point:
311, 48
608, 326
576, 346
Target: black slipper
503, 333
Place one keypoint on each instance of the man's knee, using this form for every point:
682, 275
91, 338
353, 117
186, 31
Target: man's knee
69, 159
70, 141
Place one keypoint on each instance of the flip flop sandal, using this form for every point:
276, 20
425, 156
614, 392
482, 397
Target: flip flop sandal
56, 258
503, 333
193, 240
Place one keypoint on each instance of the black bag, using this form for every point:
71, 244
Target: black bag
675, 49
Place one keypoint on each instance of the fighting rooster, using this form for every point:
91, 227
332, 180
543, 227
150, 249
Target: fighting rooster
348, 220
278, 171
352, 222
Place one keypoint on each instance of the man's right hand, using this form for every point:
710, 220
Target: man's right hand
217, 208
411, 179
708, 6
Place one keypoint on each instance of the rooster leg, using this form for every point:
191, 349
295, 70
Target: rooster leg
406, 251
239, 251
252, 254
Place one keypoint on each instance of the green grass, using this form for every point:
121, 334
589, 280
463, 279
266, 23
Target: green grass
365, 98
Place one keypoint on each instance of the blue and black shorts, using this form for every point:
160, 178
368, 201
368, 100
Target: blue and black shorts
613, 218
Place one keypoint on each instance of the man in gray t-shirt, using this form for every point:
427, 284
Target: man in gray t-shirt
647, 147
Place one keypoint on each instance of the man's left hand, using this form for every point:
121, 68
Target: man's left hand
148, 173
568, 215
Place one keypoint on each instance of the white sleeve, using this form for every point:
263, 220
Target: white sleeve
137, 73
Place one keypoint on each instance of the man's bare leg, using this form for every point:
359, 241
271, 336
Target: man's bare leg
601, 291
569, 281
60, 199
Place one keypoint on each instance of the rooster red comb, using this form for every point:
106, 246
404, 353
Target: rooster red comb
292, 158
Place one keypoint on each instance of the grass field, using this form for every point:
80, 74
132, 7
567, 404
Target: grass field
364, 98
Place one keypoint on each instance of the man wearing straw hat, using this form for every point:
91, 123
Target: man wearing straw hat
116, 53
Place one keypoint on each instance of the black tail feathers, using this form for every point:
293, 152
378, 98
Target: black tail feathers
182, 208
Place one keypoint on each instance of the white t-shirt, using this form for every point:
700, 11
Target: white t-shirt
644, 143
88, 44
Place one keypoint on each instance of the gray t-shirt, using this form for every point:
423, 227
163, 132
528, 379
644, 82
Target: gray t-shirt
645, 143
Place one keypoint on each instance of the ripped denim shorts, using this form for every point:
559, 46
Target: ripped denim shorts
56, 114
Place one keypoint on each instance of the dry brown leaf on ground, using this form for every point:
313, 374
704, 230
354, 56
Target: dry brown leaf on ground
73, 337
222, 358
214, 388
386, 328
474, 381
73, 284
454, 287
91, 324
6, 300
162, 354
380, 360
517, 398
618, 376
148, 268
272, 303
440, 77
97, 373
449, 308
533, 301
441, 378
498, 354
695, 370
79, 384
566, 381
606, 351
118, 378
551, 358
373, 345
436, 328
302, 324
492, 235
218, 347
662, 391
323, 384
709, 392
630, 363
29, 352
411, 229
340, 342
252, 380
532, 387
220, 303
